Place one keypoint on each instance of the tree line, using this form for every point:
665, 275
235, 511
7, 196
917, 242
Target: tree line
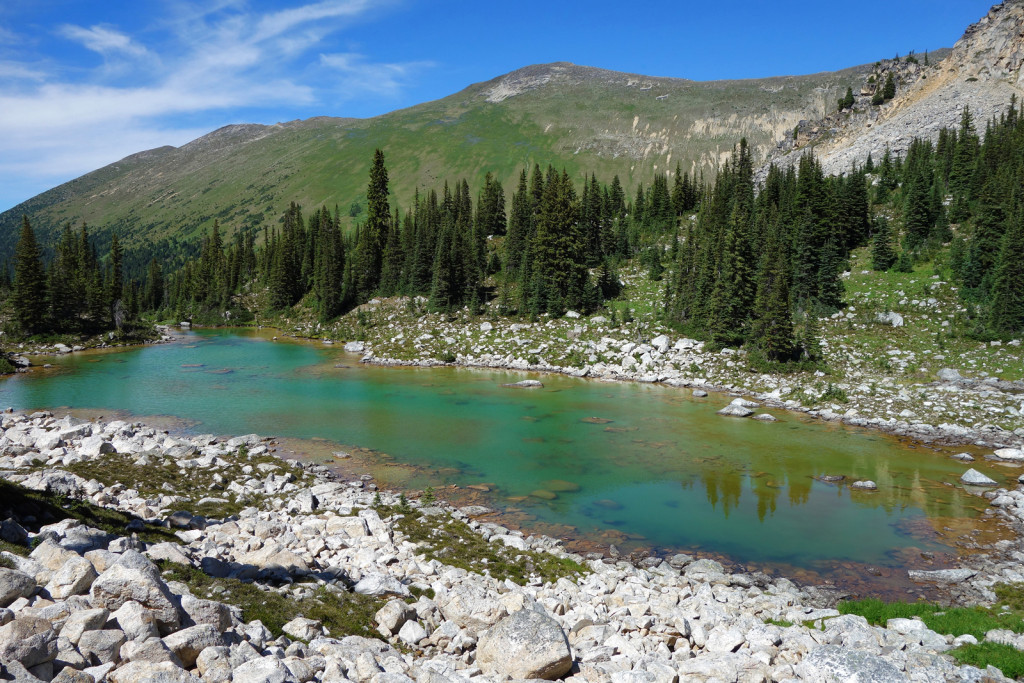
551, 249
77, 292
747, 266
974, 185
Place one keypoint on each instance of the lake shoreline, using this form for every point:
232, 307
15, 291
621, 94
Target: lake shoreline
652, 544
712, 620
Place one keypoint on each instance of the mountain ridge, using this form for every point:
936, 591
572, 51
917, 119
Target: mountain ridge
583, 119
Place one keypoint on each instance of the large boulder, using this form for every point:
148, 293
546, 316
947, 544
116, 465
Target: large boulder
73, 578
392, 616
134, 578
470, 606
189, 642
199, 611
93, 446
102, 645
262, 670
51, 555
137, 622
941, 575
834, 663
14, 585
380, 585
527, 644
29, 640
83, 620
149, 672
301, 628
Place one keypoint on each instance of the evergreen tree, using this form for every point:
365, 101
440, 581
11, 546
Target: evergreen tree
116, 278
153, 296
28, 292
889, 89
772, 333
375, 232
1006, 315
918, 221
883, 255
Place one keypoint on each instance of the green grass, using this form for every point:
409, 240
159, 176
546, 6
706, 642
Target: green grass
452, 542
343, 613
194, 483
1006, 658
955, 621
48, 508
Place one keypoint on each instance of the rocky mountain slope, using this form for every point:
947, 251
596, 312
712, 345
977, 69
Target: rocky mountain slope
580, 118
983, 71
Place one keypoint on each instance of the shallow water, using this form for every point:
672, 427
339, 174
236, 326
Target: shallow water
658, 469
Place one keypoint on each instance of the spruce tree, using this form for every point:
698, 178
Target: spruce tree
889, 89
1006, 315
375, 231
28, 292
772, 330
883, 255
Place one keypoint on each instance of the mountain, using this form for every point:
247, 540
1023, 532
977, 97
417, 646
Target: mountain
983, 70
580, 118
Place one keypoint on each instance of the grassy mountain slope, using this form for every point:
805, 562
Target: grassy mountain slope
580, 118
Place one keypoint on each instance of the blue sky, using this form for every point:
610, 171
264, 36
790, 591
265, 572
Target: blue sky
83, 84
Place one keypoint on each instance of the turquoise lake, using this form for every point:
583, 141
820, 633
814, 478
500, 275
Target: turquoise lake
657, 469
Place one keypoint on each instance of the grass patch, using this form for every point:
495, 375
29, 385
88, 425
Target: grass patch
342, 613
955, 621
1006, 658
452, 542
48, 508
162, 475
16, 549
781, 623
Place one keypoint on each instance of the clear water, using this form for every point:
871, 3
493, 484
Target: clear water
665, 472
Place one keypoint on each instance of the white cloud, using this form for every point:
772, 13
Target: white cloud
10, 70
361, 75
103, 40
277, 23
204, 62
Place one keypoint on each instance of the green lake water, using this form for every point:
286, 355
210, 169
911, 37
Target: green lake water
664, 472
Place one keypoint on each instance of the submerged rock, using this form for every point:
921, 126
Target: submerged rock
973, 477
941, 575
1010, 454
525, 384
864, 485
736, 409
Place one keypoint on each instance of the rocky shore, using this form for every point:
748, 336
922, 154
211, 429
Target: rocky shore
686, 363
379, 589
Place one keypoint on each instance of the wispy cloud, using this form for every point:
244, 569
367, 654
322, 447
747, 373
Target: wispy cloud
11, 70
359, 74
200, 63
103, 40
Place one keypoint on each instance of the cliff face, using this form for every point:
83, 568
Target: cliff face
983, 71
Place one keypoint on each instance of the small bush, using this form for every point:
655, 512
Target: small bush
834, 393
